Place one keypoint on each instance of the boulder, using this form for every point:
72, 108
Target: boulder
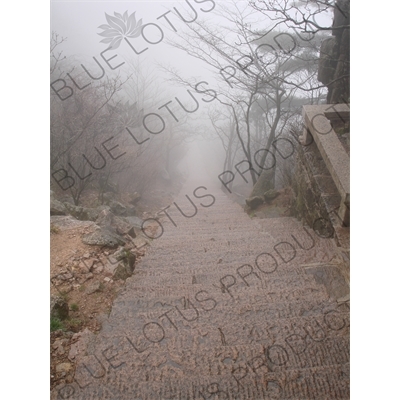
121, 264
93, 287
58, 308
105, 218
103, 237
57, 208
107, 186
254, 202
108, 197
134, 198
113, 223
91, 214
74, 210
264, 182
139, 242
134, 221
85, 213
67, 221
130, 211
67, 199
117, 208
122, 272
121, 226
270, 195
132, 232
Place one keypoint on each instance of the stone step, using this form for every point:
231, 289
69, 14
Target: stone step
176, 333
307, 308
248, 379
200, 259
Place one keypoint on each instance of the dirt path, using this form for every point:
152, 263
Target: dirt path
223, 307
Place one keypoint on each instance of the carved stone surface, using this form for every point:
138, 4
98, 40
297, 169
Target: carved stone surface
222, 307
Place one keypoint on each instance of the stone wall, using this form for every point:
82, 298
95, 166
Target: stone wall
316, 195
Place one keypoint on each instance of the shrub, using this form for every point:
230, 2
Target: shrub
56, 324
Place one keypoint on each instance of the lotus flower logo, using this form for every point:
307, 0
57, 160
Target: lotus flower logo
118, 28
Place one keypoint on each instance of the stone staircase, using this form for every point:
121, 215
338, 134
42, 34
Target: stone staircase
223, 307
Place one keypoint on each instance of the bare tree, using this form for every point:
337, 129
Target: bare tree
257, 72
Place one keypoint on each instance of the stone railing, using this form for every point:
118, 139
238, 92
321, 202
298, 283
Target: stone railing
318, 122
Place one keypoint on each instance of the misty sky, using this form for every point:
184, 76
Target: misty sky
79, 22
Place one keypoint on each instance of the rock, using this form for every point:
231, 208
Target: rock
134, 198
120, 225
75, 211
134, 221
92, 288
67, 221
121, 264
64, 368
84, 267
270, 195
107, 186
58, 308
344, 299
67, 199
108, 197
90, 262
98, 268
92, 214
123, 271
105, 218
130, 211
83, 278
57, 208
107, 279
254, 202
119, 254
103, 237
117, 208
132, 232
139, 242
67, 276
79, 343
85, 213
58, 345
264, 182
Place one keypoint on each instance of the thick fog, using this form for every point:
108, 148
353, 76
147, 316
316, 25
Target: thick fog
152, 81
